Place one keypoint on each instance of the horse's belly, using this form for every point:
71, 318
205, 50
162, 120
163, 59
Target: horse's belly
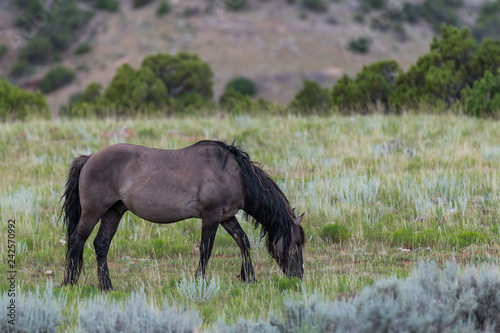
164, 211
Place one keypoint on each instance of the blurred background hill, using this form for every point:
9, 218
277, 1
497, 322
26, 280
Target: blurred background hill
276, 43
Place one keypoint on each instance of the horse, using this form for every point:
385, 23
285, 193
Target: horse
209, 180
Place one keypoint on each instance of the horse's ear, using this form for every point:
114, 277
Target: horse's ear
298, 219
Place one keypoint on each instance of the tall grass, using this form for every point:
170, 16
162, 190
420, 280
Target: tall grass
431, 179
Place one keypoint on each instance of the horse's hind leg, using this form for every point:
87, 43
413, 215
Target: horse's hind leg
109, 223
234, 229
87, 222
208, 232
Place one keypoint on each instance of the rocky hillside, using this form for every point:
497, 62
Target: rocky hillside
277, 43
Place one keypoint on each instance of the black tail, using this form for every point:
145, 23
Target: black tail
71, 206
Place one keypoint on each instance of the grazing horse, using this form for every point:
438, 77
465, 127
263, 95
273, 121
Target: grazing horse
209, 180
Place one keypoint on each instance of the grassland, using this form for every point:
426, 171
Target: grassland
406, 188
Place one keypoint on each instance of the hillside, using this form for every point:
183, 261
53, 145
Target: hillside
275, 43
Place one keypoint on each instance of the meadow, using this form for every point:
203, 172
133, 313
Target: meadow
404, 187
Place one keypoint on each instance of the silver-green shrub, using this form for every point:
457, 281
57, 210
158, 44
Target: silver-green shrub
245, 326
430, 300
98, 315
35, 311
198, 289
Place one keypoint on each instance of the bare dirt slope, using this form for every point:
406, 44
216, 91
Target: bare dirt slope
268, 42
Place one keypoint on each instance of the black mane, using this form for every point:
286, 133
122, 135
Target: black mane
264, 200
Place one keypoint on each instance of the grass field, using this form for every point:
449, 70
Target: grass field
405, 187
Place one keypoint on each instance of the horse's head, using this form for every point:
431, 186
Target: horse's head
291, 261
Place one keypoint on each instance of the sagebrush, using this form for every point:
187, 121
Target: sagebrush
430, 300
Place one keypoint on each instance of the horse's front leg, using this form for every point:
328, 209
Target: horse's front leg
208, 232
234, 229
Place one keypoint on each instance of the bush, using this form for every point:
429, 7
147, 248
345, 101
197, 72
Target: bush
467, 238
396, 12
56, 78
487, 58
263, 105
439, 75
191, 103
38, 50
198, 289
359, 17
334, 233
92, 92
21, 69
487, 23
236, 4
180, 83
430, 300
412, 239
56, 36
484, 98
374, 84
377, 82
439, 12
83, 48
233, 100
16, 103
3, 51
346, 94
108, 5
312, 98
99, 108
162, 79
134, 89
409, 13
369, 5
243, 85
35, 311
286, 283
75, 98
360, 45
136, 316
319, 6
122, 87
141, 3
404, 237
164, 8
184, 73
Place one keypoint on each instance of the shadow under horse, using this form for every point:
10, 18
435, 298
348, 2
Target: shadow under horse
209, 180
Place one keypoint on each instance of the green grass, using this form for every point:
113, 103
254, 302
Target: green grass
427, 184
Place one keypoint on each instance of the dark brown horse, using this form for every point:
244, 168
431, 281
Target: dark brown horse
208, 180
